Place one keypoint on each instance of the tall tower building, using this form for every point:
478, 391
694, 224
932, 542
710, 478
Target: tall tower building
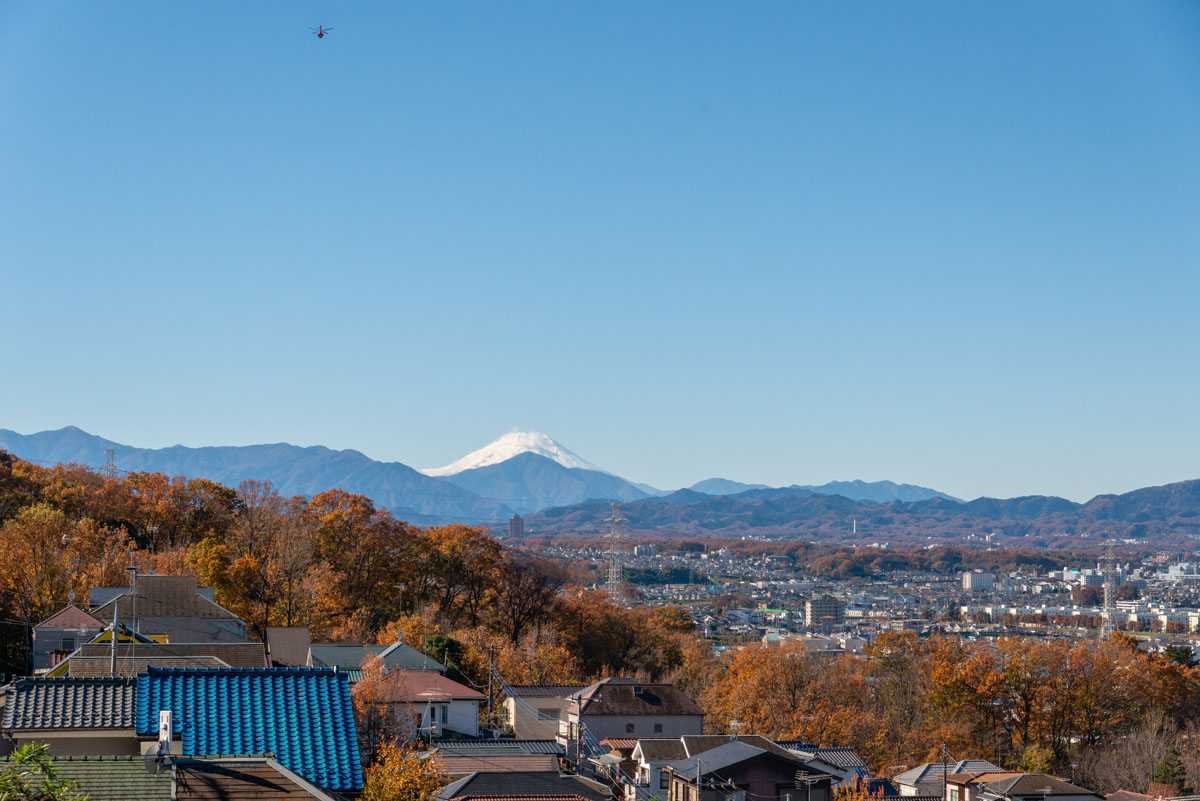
516, 526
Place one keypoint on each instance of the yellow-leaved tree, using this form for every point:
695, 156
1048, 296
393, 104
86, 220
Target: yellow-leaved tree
400, 774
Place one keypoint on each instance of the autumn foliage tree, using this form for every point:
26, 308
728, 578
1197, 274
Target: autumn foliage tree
399, 773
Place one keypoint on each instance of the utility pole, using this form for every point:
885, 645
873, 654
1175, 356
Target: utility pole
28, 637
112, 665
132, 570
491, 672
944, 779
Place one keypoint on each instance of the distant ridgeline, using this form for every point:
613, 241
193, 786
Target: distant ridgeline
561, 494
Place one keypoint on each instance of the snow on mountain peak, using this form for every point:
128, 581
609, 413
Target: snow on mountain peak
507, 447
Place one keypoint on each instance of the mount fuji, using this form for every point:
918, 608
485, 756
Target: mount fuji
528, 471
508, 446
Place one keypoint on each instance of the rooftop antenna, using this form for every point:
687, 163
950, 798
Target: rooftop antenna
613, 537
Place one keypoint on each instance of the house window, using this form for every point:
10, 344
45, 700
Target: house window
658, 728
548, 714
68, 643
663, 779
629, 728
445, 714
953, 794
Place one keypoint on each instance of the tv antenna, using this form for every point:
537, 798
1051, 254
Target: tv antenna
613, 536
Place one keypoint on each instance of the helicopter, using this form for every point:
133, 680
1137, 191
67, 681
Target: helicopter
320, 31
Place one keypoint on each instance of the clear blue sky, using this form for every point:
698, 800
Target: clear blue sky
954, 244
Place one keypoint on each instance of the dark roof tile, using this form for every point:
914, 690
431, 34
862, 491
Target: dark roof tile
70, 703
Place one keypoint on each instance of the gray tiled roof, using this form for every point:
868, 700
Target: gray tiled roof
70, 703
526, 784
496, 746
112, 778
933, 770
352, 655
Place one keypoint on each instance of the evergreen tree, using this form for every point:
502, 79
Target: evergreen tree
1171, 771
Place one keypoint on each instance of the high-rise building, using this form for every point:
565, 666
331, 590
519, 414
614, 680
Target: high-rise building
516, 526
978, 581
825, 610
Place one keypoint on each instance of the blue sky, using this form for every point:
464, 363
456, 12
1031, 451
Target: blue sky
950, 244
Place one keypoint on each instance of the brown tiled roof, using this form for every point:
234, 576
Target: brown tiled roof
625, 697
258, 779
699, 743
662, 750
70, 617
457, 765
233, 654
425, 685
620, 743
165, 596
131, 666
1020, 784
1128, 795
545, 690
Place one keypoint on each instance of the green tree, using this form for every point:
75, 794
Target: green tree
1183, 654
1171, 771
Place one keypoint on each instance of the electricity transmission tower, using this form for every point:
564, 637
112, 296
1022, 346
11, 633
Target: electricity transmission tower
110, 468
1109, 572
613, 536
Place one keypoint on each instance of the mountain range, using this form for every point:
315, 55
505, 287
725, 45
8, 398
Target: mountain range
559, 492
519, 473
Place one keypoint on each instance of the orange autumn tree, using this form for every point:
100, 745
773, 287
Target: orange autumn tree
400, 774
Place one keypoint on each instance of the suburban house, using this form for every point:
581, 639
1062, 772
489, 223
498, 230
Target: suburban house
425, 702
739, 770
140, 652
301, 716
627, 708
64, 631
170, 606
533, 711
74, 716
844, 763
350, 657
649, 758
1001, 786
926, 780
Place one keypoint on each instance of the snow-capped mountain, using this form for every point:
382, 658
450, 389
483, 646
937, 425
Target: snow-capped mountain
510, 445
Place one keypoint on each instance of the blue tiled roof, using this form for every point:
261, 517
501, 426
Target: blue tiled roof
302, 715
